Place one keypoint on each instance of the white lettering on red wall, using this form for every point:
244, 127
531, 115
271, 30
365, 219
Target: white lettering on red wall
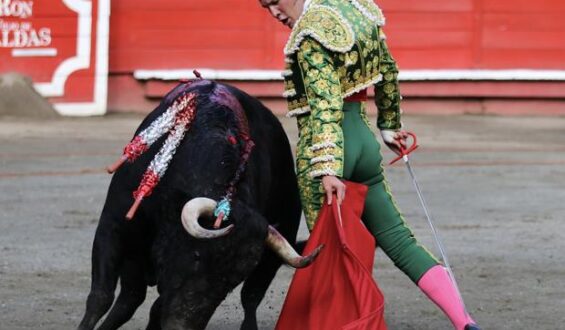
21, 33
62, 46
16, 8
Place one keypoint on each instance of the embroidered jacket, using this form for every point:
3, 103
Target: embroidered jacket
336, 48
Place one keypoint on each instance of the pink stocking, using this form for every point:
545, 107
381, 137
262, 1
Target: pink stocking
437, 285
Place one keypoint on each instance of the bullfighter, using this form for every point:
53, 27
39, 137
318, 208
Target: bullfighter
336, 50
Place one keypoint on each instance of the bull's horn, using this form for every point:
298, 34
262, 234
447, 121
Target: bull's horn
280, 246
192, 210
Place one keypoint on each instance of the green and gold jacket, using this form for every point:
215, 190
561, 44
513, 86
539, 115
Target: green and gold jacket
336, 48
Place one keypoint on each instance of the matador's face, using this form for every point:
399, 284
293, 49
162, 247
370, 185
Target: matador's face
285, 11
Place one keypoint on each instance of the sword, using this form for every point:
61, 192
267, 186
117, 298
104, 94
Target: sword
404, 156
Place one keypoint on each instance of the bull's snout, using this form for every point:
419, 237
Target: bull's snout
195, 208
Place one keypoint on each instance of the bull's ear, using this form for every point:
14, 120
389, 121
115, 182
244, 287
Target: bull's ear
245, 216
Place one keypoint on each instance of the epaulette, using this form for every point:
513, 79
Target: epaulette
325, 25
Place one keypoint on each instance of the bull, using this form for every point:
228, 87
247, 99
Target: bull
175, 241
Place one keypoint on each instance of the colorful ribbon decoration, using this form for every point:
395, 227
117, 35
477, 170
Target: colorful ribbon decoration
176, 121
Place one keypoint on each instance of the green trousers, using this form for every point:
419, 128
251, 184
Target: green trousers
362, 164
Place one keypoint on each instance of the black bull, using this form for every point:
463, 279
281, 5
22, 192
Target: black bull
194, 275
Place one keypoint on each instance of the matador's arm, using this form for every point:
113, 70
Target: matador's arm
323, 89
387, 93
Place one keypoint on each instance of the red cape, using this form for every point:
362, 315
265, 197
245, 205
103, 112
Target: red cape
337, 291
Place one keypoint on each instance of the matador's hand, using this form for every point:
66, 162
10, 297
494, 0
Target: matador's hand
395, 139
330, 184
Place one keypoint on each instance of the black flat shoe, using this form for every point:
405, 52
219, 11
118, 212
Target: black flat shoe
472, 327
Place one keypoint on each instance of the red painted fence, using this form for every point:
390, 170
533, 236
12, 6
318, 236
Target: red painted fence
239, 34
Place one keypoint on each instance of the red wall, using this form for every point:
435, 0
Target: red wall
228, 34
239, 34
478, 33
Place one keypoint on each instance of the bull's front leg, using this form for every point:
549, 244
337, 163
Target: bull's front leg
155, 316
255, 286
107, 256
133, 288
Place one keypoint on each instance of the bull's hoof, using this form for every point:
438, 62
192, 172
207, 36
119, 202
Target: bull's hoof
472, 327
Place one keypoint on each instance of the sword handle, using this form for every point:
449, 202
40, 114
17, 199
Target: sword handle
405, 151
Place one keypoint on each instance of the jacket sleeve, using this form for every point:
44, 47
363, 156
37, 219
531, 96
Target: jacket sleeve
387, 93
323, 89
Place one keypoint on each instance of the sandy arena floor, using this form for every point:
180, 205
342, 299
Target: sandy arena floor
495, 185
